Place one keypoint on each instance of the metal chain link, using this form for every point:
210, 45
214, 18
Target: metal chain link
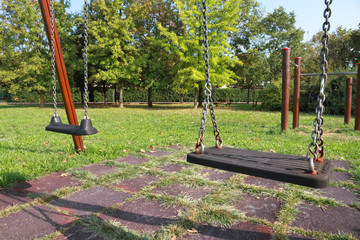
52, 46
86, 35
208, 104
316, 135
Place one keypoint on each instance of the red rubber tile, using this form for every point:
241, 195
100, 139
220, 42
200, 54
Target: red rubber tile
328, 220
340, 194
340, 176
90, 201
98, 169
243, 231
142, 215
261, 207
34, 222
136, 184
9, 197
48, 184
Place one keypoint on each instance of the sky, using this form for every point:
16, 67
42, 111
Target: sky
309, 13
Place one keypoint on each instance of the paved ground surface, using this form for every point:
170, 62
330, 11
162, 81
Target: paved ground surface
158, 195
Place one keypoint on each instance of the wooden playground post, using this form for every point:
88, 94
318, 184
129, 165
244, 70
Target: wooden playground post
297, 73
357, 112
61, 72
348, 97
285, 88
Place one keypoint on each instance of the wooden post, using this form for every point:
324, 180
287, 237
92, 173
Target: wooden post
61, 73
357, 112
348, 97
285, 88
296, 110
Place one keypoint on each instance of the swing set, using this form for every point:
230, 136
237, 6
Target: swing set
311, 171
59, 69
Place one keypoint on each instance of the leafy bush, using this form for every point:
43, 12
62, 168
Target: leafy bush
335, 89
139, 95
271, 97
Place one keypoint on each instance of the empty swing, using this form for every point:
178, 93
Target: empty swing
312, 171
56, 125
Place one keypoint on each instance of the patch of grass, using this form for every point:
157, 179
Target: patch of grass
28, 151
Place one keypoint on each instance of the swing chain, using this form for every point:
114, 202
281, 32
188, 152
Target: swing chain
316, 135
86, 35
208, 104
52, 42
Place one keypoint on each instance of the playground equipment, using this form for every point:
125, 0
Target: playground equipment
59, 69
312, 171
297, 78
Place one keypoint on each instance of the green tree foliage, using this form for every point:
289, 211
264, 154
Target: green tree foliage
278, 31
355, 45
252, 73
111, 51
188, 46
156, 64
23, 56
25, 61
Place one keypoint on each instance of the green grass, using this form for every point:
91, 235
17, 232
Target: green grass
28, 151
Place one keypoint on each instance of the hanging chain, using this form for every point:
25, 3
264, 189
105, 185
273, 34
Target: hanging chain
52, 46
208, 100
86, 35
316, 135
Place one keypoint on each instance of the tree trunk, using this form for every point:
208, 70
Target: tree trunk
248, 96
116, 99
42, 99
121, 100
182, 99
150, 101
195, 98
105, 95
200, 97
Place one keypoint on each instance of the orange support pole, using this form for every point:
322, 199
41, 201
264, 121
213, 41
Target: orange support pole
285, 88
357, 112
348, 98
296, 110
61, 73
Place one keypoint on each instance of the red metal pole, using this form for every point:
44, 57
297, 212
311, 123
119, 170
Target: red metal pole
296, 110
285, 88
61, 73
348, 97
357, 112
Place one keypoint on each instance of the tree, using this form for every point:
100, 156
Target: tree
278, 31
355, 46
252, 73
156, 64
188, 46
111, 51
23, 55
25, 59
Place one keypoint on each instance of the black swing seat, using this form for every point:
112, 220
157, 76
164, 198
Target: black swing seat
275, 166
85, 127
